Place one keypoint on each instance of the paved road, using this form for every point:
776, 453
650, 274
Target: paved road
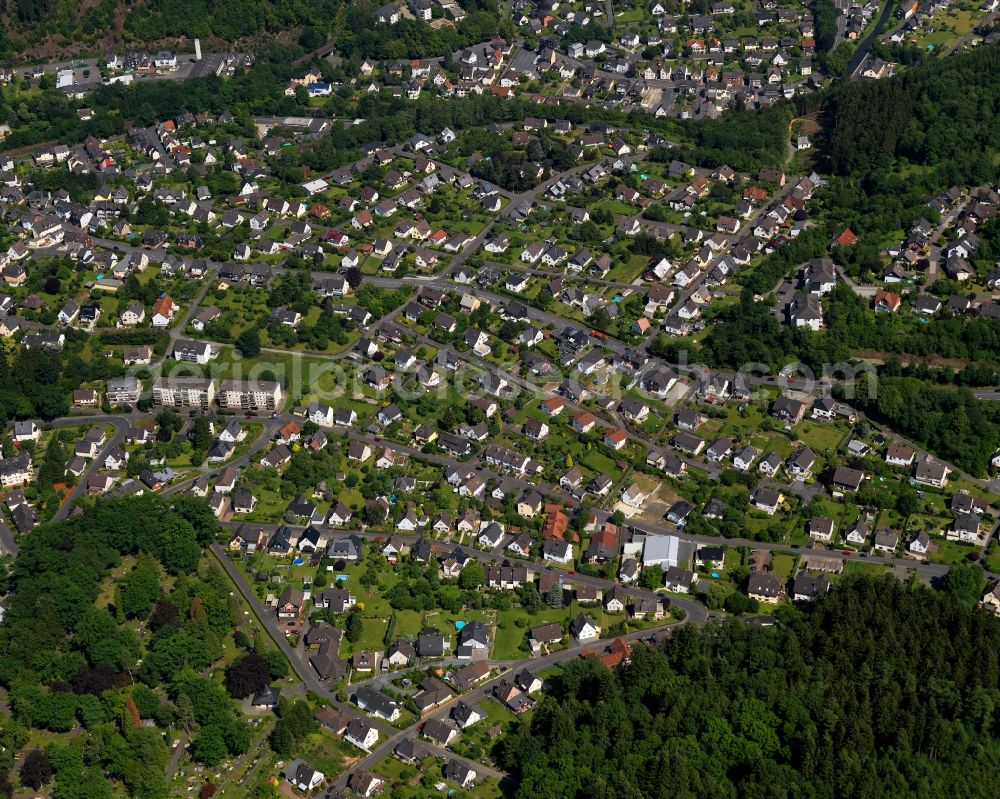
841, 29
121, 424
8, 546
177, 754
267, 618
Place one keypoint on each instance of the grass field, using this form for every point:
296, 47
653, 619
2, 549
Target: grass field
783, 563
858, 567
627, 271
992, 561
951, 552
819, 437
474, 742
325, 752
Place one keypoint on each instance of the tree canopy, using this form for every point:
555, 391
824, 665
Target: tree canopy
941, 114
881, 690
69, 658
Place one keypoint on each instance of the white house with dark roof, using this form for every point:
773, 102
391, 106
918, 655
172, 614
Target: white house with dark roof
302, 776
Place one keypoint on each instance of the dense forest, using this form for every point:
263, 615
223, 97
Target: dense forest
86, 642
224, 19
31, 385
825, 21
155, 20
882, 690
309, 22
745, 140
941, 115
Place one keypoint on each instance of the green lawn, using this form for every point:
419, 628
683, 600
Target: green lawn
405, 781
951, 552
270, 507
627, 271
372, 639
599, 462
614, 206
783, 563
513, 626
408, 623
773, 442
819, 437
325, 752
474, 742
860, 567
730, 560
302, 376
828, 508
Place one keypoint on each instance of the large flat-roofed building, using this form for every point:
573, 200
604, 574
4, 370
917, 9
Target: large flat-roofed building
123, 389
250, 395
184, 392
661, 550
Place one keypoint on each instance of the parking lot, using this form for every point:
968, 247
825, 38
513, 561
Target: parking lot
782, 298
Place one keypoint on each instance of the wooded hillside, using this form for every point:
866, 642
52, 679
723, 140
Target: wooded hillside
883, 690
941, 114
110, 620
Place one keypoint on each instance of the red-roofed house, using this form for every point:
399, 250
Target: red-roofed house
845, 238
583, 422
553, 406
616, 653
615, 438
556, 522
887, 301
163, 311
